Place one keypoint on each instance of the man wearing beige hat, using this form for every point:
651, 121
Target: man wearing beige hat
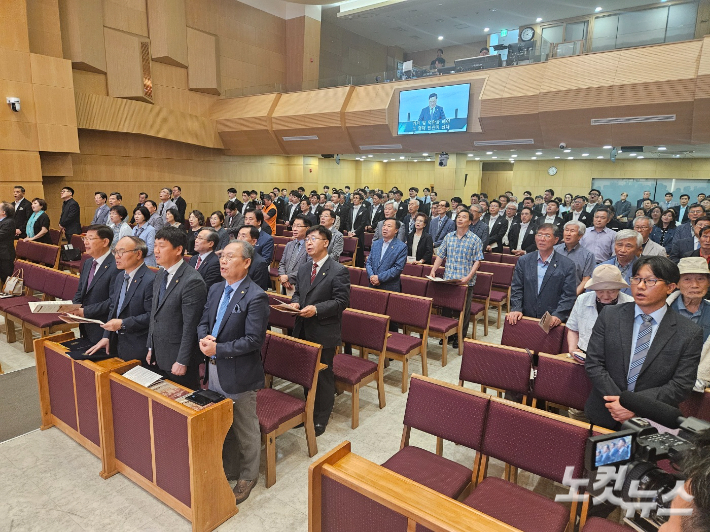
691, 302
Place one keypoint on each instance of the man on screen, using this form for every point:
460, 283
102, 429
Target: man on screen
432, 111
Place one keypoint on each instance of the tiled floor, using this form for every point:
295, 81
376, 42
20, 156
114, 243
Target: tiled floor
49, 482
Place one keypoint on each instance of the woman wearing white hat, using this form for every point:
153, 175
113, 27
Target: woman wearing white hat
689, 301
604, 289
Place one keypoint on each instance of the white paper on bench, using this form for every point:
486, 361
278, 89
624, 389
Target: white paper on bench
45, 307
142, 376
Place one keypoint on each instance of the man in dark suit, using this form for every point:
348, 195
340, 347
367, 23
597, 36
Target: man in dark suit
682, 210
179, 201
142, 198
294, 254
204, 260
23, 211
233, 219
682, 247
387, 258
322, 293
70, 219
96, 281
7, 241
126, 331
577, 213
265, 243
432, 111
440, 224
497, 226
315, 208
179, 295
258, 269
556, 293
401, 206
232, 197
293, 207
646, 196
593, 205
410, 218
551, 216
231, 333
642, 347
342, 209
522, 234
377, 213
358, 217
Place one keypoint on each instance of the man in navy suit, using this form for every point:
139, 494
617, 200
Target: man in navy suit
543, 281
95, 281
432, 111
441, 224
126, 331
231, 333
204, 260
265, 243
357, 220
258, 270
387, 258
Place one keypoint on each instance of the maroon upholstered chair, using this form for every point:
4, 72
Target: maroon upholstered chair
597, 524
287, 233
368, 241
296, 361
495, 366
527, 333
413, 313
283, 240
417, 286
539, 442
502, 281
561, 381
697, 405
451, 297
449, 413
274, 266
414, 270
280, 228
509, 259
280, 320
352, 373
347, 257
355, 274
492, 257
481, 301
369, 299
55, 235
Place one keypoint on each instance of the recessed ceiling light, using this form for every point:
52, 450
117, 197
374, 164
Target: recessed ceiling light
514, 155
567, 151
401, 158
600, 156
533, 158
538, 19
538, 153
416, 161
369, 155
494, 157
597, 9
570, 157
478, 158
441, 37
489, 153
470, 154
425, 154
428, 159
385, 161
486, 29
662, 148
557, 157
632, 155
640, 157
676, 156
585, 155
608, 147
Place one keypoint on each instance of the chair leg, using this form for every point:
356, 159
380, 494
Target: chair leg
355, 405
485, 320
425, 372
381, 391
270, 459
475, 326
310, 438
439, 446
443, 351
461, 337
499, 306
405, 374
10, 331
27, 339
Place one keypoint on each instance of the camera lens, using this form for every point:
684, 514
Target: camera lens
650, 478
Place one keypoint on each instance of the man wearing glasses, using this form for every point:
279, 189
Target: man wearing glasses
294, 254
126, 331
643, 347
95, 281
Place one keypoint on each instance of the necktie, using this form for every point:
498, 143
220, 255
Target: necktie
313, 272
222, 309
199, 261
294, 256
163, 287
124, 290
643, 342
139, 231
162, 206
411, 225
92, 273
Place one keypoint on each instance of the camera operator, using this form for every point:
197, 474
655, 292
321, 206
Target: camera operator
642, 347
696, 470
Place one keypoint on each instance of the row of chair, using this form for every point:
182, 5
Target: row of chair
51, 284
39, 253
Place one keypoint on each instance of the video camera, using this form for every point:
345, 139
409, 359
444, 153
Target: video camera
639, 446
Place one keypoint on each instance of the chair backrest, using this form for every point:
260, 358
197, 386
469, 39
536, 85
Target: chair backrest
281, 240
280, 228
413, 269
55, 235
356, 322
561, 381
496, 366
349, 245
288, 233
484, 283
78, 243
527, 333
369, 299
56, 280
447, 411
282, 320
509, 259
279, 252
416, 286
265, 346
291, 359
70, 287
539, 442
409, 310
451, 296
355, 274
34, 277
697, 405
492, 257
502, 273
368, 240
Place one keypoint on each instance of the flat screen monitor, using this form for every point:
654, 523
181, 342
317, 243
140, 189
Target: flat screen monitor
434, 110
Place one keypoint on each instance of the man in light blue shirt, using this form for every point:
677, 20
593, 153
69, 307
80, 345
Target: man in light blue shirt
600, 239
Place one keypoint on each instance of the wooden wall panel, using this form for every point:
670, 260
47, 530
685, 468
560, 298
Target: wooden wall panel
56, 165
203, 65
90, 82
701, 115
124, 68
20, 168
83, 34
168, 36
14, 34
245, 124
126, 15
45, 35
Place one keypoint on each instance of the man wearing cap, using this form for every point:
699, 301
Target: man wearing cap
627, 248
690, 301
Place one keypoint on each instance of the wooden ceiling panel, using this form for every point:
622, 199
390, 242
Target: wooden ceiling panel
654, 133
573, 127
663, 62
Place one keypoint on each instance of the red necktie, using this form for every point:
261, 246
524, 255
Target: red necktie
199, 261
313, 273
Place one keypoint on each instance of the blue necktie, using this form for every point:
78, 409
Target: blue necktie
643, 342
222, 309
163, 287
124, 290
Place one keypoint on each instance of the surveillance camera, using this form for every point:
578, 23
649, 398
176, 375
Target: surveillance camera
443, 158
612, 154
563, 145
14, 104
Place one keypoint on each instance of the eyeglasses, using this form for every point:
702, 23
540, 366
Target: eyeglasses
118, 253
650, 282
313, 239
227, 258
87, 239
545, 236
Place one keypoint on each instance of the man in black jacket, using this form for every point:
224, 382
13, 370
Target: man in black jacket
204, 260
23, 211
259, 268
179, 201
7, 241
70, 220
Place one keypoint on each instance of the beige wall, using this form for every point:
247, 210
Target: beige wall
423, 58
345, 53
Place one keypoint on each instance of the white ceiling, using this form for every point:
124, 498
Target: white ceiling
416, 24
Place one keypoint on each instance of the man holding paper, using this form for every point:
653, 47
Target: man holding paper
95, 281
126, 332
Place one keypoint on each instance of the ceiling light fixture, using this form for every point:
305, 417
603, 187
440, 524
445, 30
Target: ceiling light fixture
369, 155
441, 37
567, 150
425, 154
489, 153
478, 158
608, 147
640, 157
557, 157
585, 155
494, 157
661, 148
632, 155
600, 156
470, 154
570, 157
486, 29
533, 158
597, 9
401, 158
538, 19
515, 155
538, 153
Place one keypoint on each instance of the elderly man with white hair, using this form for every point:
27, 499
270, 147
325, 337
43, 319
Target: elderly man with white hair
690, 302
570, 247
643, 225
390, 212
627, 248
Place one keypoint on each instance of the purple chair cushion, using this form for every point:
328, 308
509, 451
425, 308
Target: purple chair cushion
431, 470
402, 343
37, 320
441, 324
352, 369
274, 407
15, 302
498, 297
518, 507
597, 524
477, 308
